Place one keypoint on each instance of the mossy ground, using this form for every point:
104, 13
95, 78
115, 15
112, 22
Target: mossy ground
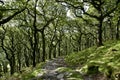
106, 57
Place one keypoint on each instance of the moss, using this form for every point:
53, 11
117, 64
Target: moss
104, 57
63, 69
75, 74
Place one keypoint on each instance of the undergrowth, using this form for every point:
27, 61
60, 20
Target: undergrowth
106, 58
26, 73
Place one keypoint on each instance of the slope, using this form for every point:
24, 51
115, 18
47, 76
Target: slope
103, 60
95, 63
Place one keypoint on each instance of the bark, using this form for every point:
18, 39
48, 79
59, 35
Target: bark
12, 65
35, 35
43, 45
100, 42
19, 62
50, 50
59, 48
117, 34
59, 44
54, 52
34, 48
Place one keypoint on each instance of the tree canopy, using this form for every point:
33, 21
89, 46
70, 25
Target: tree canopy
33, 31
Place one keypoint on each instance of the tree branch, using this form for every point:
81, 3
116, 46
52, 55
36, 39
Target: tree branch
3, 21
48, 22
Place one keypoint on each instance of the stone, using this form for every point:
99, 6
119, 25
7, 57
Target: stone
39, 75
60, 76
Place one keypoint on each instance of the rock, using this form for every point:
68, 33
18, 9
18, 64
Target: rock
39, 75
51, 73
60, 76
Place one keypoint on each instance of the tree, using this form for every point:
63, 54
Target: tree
101, 9
5, 20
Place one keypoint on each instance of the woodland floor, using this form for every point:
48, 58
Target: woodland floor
76, 66
51, 71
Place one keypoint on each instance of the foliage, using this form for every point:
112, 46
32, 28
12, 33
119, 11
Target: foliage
33, 31
31, 72
26, 73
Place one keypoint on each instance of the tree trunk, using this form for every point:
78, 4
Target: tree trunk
100, 42
34, 48
5, 69
66, 48
35, 35
117, 33
111, 30
54, 52
59, 47
43, 46
50, 50
19, 62
12, 65
26, 60
79, 42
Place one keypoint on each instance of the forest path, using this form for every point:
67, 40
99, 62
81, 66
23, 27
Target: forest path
51, 71
55, 63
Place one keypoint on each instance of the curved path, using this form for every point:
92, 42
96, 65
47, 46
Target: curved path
50, 72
